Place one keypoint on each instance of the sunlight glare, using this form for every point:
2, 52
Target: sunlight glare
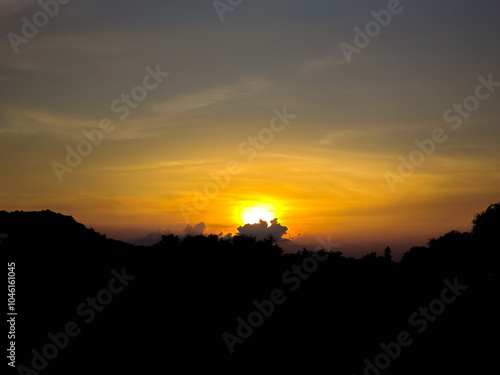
252, 215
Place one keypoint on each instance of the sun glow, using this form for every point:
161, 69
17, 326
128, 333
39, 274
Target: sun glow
252, 215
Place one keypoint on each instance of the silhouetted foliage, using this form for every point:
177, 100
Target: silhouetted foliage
388, 253
417, 255
487, 223
189, 290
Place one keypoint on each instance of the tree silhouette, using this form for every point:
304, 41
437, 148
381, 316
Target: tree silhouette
487, 223
387, 253
486, 229
189, 290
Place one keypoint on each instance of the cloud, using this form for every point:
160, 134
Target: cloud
323, 64
227, 236
262, 230
150, 239
17, 121
196, 230
186, 103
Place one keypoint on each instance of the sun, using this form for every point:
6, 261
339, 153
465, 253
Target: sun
260, 211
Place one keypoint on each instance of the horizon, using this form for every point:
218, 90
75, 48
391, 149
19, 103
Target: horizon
263, 229
339, 119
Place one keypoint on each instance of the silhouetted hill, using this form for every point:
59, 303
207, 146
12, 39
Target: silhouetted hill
201, 302
52, 230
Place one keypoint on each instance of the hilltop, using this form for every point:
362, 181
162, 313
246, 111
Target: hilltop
241, 302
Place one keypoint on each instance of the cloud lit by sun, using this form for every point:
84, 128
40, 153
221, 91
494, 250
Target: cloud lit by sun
257, 212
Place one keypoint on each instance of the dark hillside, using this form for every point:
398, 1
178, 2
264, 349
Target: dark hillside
192, 301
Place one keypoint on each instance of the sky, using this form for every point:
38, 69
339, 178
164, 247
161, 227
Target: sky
359, 120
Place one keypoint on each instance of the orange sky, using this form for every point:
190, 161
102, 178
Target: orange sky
324, 168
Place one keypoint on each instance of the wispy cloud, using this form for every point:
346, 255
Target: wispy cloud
183, 165
322, 64
25, 122
186, 103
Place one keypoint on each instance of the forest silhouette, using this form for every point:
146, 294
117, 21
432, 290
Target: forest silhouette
190, 294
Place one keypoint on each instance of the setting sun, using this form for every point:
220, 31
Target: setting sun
252, 215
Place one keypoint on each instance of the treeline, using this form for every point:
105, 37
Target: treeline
202, 302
